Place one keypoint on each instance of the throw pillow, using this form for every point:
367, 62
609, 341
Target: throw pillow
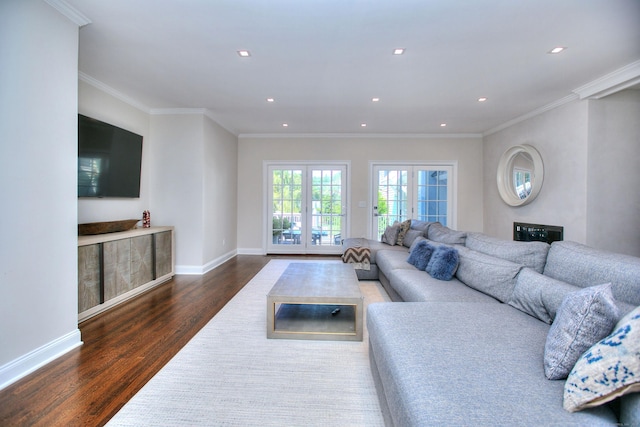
404, 227
443, 263
583, 318
420, 255
610, 369
390, 236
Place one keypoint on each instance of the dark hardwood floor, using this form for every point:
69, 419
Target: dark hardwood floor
123, 348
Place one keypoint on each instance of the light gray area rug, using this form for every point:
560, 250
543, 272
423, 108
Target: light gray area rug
231, 374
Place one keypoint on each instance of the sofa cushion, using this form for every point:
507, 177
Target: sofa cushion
584, 266
467, 364
491, 275
584, 318
389, 260
443, 263
415, 286
439, 233
420, 255
421, 226
529, 254
609, 369
539, 295
410, 237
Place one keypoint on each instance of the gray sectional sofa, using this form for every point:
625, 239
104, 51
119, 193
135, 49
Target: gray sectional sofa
470, 350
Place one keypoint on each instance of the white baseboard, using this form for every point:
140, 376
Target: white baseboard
251, 251
28, 363
202, 269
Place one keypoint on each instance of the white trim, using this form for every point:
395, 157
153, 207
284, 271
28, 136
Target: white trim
359, 135
616, 81
28, 363
536, 112
196, 111
111, 91
251, 251
203, 269
73, 14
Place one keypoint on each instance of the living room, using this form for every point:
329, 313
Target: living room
194, 165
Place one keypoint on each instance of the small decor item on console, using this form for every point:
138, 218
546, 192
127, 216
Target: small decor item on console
146, 219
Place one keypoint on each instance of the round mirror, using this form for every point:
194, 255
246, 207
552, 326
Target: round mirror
520, 175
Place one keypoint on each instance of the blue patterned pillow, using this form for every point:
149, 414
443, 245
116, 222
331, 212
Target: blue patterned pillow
583, 318
443, 263
609, 369
420, 255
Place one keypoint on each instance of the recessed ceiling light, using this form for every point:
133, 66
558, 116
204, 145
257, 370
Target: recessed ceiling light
398, 51
271, 100
375, 99
285, 125
443, 125
364, 125
557, 49
482, 99
244, 53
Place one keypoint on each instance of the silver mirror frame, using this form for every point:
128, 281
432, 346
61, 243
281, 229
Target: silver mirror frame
506, 186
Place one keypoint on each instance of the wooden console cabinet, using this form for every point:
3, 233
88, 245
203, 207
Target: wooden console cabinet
115, 267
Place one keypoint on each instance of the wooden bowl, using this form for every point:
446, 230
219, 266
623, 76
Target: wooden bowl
106, 227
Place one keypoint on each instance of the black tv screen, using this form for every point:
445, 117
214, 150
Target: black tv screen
109, 160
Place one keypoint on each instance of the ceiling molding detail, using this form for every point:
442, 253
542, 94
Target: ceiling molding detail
567, 99
111, 91
360, 135
187, 111
73, 14
616, 81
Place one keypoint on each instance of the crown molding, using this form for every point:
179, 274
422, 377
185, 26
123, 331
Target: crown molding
73, 14
616, 81
562, 101
359, 135
188, 111
111, 91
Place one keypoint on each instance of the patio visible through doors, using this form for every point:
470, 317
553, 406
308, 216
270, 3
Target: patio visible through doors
306, 208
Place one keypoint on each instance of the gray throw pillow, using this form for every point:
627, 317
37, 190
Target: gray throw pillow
390, 236
410, 237
583, 319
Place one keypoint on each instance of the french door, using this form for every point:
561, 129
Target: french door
306, 207
407, 191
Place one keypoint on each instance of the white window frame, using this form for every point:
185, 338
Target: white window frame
306, 165
452, 217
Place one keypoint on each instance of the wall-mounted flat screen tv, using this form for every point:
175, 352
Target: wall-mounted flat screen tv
109, 160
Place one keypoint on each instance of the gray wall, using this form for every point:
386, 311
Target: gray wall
613, 180
252, 152
38, 161
590, 150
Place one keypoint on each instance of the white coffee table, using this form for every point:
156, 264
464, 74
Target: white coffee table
318, 301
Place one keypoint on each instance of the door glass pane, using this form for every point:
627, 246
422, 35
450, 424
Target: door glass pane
392, 199
287, 206
432, 195
326, 207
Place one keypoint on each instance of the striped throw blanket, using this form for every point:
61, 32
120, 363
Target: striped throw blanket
359, 255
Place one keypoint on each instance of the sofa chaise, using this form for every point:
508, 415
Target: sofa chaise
479, 349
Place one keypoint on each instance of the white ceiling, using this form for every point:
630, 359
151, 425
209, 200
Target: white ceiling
324, 60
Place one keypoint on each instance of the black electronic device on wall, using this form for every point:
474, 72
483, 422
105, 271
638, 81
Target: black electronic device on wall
109, 160
537, 232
